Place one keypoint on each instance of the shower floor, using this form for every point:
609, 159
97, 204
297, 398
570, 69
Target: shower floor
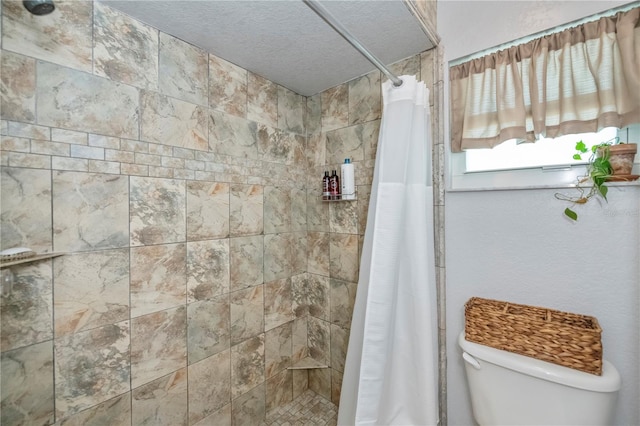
309, 409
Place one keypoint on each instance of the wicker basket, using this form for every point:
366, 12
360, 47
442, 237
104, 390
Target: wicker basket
566, 339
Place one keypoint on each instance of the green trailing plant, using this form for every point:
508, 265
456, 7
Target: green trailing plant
598, 171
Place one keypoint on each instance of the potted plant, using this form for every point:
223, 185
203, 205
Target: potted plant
609, 161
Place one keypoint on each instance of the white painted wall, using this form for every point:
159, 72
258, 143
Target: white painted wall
516, 246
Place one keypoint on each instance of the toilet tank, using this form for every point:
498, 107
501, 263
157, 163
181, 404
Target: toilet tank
512, 389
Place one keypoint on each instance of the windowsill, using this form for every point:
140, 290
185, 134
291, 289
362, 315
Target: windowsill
528, 187
525, 179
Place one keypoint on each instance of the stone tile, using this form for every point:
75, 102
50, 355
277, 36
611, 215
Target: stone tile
221, 417
311, 296
162, 401
364, 195
158, 345
249, 409
336, 386
64, 37
90, 211
208, 328
247, 313
27, 385
307, 408
26, 313
76, 100
298, 210
247, 365
317, 156
18, 97
278, 302
233, 136
317, 211
157, 211
227, 87
278, 349
125, 49
344, 260
370, 134
349, 142
246, 259
343, 296
291, 110
317, 296
91, 367
32, 161
279, 390
272, 144
262, 100
319, 340
26, 209
339, 343
408, 66
207, 210
318, 253
320, 381
365, 98
277, 256
335, 107
91, 290
158, 278
169, 121
183, 70
207, 269
115, 411
343, 217
209, 386
299, 340
247, 209
11, 143
313, 118
298, 241
277, 210
300, 381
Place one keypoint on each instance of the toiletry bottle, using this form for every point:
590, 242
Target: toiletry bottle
348, 180
326, 186
335, 186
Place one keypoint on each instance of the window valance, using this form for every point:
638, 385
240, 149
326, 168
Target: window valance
578, 80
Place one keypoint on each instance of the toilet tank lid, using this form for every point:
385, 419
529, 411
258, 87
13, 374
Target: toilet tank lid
609, 381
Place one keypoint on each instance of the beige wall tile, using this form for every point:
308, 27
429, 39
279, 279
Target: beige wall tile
209, 386
125, 50
100, 355
90, 290
18, 97
162, 401
27, 385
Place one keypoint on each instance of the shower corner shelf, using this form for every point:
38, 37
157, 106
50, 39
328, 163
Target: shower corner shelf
339, 198
307, 363
35, 258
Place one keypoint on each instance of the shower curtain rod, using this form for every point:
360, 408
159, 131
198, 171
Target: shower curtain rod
322, 12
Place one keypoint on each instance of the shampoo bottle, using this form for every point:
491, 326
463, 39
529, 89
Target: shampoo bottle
348, 180
335, 186
326, 186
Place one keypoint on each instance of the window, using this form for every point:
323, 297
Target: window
546, 152
545, 163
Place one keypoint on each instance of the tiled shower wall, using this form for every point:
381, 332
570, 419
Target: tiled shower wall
200, 261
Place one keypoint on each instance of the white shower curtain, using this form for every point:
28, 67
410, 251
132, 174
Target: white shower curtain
390, 370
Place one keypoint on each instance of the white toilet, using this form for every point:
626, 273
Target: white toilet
512, 389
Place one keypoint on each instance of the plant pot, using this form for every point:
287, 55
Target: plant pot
621, 157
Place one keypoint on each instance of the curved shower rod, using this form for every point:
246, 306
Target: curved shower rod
322, 12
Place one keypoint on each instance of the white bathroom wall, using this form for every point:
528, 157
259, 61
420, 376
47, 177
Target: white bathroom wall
516, 245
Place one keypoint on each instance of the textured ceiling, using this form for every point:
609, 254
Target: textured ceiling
285, 41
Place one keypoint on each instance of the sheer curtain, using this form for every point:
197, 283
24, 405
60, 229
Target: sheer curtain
390, 370
578, 80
